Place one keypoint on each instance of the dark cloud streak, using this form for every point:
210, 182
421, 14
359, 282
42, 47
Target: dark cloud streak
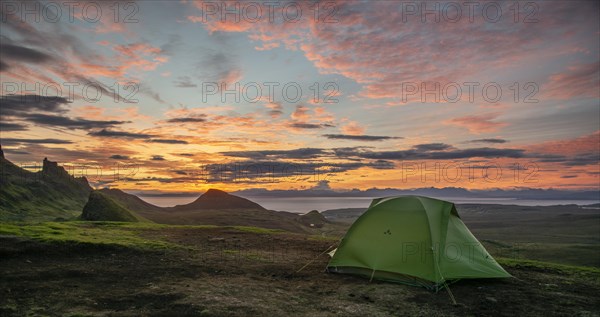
66, 122
119, 157
6, 126
23, 54
167, 141
12, 141
187, 120
302, 125
359, 137
119, 134
14, 105
495, 141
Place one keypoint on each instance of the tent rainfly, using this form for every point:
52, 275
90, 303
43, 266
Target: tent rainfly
413, 240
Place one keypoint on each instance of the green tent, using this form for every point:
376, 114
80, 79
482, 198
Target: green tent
414, 240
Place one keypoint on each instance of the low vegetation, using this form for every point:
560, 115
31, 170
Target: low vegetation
103, 233
180, 270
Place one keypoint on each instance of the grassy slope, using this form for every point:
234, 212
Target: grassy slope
104, 233
101, 207
130, 201
25, 203
27, 196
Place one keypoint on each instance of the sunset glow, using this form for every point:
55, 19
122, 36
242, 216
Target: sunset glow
180, 97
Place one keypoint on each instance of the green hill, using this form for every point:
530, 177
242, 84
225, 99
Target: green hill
48, 194
101, 207
215, 207
130, 201
313, 219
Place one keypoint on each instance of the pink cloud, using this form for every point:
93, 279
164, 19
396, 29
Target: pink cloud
478, 123
581, 80
393, 51
584, 144
136, 57
223, 26
230, 77
137, 49
266, 46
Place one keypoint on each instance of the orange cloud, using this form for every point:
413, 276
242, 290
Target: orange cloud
276, 109
323, 114
353, 128
301, 113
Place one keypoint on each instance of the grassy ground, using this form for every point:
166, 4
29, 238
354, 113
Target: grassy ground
122, 234
563, 234
143, 269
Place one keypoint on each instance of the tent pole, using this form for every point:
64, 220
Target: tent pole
311, 261
444, 283
372, 273
450, 293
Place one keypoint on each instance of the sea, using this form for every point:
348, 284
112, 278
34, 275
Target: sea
305, 204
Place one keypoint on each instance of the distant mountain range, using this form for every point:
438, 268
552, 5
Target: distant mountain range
53, 194
447, 192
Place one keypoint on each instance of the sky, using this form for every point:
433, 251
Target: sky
170, 97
